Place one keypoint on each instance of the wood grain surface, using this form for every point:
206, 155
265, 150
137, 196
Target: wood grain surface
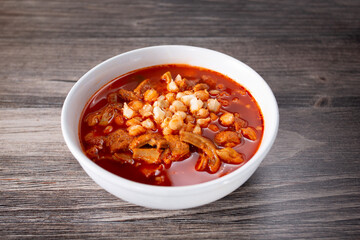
308, 187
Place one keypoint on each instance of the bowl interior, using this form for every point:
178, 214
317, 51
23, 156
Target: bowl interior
124, 63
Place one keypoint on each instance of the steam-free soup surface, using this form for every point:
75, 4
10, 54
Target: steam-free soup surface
123, 129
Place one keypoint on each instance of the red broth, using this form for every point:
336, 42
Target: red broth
180, 173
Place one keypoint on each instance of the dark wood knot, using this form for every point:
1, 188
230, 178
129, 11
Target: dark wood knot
323, 101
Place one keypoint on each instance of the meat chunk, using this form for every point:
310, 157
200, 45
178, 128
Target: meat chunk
227, 139
152, 139
202, 162
93, 118
112, 97
123, 158
206, 146
229, 155
92, 139
126, 95
150, 170
239, 123
105, 115
249, 133
182, 83
201, 86
211, 82
142, 87
148, 155
109, 113
178, 148
166, 157
167, 77
93, 152
118, 141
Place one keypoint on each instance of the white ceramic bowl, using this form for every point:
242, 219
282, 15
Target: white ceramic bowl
157, 196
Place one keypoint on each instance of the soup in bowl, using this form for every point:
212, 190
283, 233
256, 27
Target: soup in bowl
170, 127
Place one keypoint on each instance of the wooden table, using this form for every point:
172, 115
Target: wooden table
308, 52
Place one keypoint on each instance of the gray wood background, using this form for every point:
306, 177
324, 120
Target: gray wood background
308, 187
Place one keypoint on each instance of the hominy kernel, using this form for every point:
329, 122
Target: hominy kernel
162, 97
187, 98
235, 100
227, 119
214, 92
223, 93
213, 105
146, 110
224, 102
220, 86
119, 120
148, 124
178, 78
136, 105
213, 127
177, 106
108, 129
167, 131
132, 122
189, 119
161, 104
213, 117
202, 113
172, 87
150, 95
159, 114
165, 122
197, 130
127, 111
181, 114
170, 97
176, 123
203, 122
179, 95
136, 130
196, 105
168, 113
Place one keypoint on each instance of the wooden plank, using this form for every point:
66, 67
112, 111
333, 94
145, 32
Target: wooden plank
36, 186
300, 75
308, 187
113, 19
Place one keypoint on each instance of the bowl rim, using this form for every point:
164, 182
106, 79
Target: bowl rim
165, 190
